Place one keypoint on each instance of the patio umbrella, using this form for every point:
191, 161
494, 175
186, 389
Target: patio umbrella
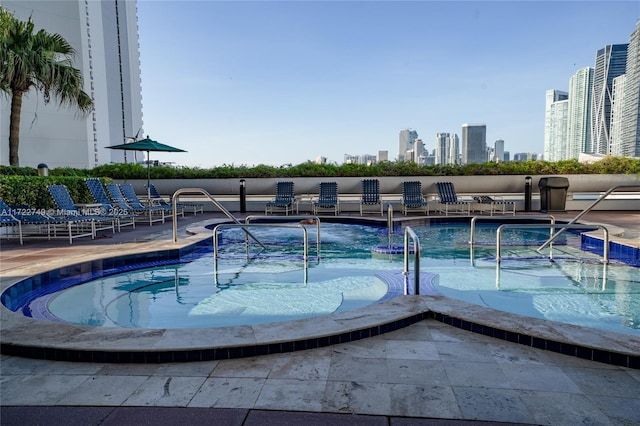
148, 145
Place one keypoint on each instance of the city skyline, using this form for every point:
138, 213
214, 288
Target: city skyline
289, 82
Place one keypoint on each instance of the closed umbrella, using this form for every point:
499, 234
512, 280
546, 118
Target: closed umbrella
148, 145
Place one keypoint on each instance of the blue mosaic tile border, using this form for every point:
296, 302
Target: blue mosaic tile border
19, 296
619, 252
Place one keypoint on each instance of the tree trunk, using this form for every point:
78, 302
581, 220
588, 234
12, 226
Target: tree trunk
14, 127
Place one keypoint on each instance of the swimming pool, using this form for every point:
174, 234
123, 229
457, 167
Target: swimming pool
278, 285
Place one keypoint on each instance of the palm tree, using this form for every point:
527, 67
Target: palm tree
42, 61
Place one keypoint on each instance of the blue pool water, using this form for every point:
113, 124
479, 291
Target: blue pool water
277, 284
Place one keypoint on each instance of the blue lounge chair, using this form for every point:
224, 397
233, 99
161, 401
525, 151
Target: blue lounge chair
448, 201
8, 220
123, 217
37, 224
153, 214
484, 202
157, 199
133, 200
370, 195
412, 198
284, 199
68, 210
327, 198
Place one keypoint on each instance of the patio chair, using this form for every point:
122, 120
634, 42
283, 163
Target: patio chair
412, 198
154, 214
284, 199
133, 200
484, 202
68, 209
34, 223
123, 216
327, 198
9, 221
370, 195
157, 199
448, 201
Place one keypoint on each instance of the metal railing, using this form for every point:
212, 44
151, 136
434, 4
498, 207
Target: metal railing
408, 232
390, 223
475, 219
305, 243
585, 211
174, 214
605, 254
315, 219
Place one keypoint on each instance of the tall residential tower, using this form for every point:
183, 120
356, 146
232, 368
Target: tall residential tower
105, 37
611, 62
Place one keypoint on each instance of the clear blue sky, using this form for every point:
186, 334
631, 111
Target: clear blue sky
277, 83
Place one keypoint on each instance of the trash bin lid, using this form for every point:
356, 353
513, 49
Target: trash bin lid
553, 182
42, 166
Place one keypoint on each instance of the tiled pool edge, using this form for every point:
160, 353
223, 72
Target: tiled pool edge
74, 343
158, 346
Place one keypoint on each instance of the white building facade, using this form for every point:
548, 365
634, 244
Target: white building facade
105, 37
578, 114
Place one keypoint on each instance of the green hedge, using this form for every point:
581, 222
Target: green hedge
608, 165
22, 185
32, 190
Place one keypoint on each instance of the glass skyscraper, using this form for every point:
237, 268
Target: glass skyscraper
630, 120
611, 62
474, 143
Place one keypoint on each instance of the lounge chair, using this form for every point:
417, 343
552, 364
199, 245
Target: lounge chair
327, 198
448, 201
412, 198
484, 202
370, 195
133, 200
154, 214
157, 199
68, 210
123, 216
284, 199
8, 220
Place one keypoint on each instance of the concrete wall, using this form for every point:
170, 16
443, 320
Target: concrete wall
583, 189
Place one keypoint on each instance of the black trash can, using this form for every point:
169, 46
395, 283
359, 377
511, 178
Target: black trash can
553, 193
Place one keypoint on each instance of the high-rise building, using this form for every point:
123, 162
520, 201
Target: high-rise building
617, 112
630, 120
105, 37
474, 143
552, 96
447, 149
579, 114
498, 151
383, 156
418, 151
406, 140
611, 62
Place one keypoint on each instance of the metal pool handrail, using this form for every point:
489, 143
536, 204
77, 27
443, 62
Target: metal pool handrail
261, 225
174, 214
474, 219
248, 219
585, 211
416, 258
605, 254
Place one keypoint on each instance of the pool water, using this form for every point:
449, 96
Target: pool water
276, 284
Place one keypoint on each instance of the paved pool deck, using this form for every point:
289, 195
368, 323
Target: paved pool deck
428, 373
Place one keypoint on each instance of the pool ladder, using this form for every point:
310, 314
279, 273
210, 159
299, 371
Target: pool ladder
476, 219
248, 224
